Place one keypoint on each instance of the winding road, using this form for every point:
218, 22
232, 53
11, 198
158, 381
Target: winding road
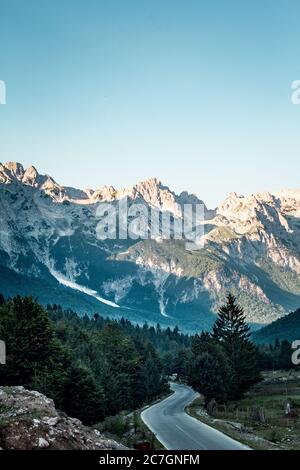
176, 430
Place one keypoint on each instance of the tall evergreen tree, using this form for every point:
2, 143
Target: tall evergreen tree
232, 332
35, 357
154, 383
208, 369
207, 374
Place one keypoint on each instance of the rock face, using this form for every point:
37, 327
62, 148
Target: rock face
49, 248
29, 421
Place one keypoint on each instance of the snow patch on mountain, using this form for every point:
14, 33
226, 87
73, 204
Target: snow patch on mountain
66, 282
252, 244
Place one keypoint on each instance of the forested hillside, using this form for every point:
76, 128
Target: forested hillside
91, 367
286, 328
95, 367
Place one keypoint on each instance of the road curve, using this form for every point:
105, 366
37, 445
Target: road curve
176, 430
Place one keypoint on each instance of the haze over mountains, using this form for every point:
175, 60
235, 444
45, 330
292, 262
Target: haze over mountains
49, 248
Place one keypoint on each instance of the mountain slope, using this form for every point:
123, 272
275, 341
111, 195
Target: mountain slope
287, 328
49, 239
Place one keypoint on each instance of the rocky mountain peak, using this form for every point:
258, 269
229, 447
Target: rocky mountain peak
53, 189
246, 207
150, 183
252, 246
30, 176
5, 176
15, 168
156, 194
152, 189
106, 193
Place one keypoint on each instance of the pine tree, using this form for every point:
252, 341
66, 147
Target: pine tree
208, 368
233, 333
207, 374
180, 363
152, 373
83, 399
120, 363
33, 349
119, 367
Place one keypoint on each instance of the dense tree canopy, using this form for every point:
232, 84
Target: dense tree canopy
224, 364
91, 367
96, 367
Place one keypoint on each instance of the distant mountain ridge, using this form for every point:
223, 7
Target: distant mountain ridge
152, 191
48, 236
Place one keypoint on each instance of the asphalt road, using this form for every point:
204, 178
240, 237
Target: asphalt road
176, 430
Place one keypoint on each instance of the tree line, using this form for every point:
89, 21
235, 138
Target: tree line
224, 364
94, 367
276, 356
89, 366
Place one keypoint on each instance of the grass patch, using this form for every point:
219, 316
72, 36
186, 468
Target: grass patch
129, 429
261, 414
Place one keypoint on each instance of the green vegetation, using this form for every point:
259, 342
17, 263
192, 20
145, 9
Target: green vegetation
224, 365
286, 328
101, 370
222, 233
276, 356
91, 367
260, 419
232, 333
129, 429
192, 263
284, 279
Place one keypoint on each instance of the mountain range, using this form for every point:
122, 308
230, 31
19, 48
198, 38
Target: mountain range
49, 248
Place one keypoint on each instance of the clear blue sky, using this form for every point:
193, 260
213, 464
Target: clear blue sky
195, 92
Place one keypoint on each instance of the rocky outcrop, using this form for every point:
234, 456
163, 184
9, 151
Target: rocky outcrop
30, 421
